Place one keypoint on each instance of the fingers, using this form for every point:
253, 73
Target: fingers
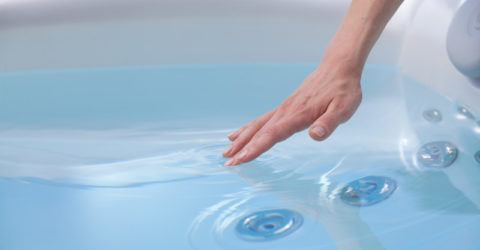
252, 150
260, 143
271, 133
261, 136
336, 113
262, 120
322, 102
242, 136
234, 135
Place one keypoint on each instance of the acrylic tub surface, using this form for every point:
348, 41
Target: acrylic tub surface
114, 115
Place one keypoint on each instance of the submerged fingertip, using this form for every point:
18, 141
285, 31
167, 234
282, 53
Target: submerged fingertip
229, 163
226, 153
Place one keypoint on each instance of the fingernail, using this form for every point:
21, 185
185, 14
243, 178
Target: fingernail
242, 154
319, 131
227, 151
229, 162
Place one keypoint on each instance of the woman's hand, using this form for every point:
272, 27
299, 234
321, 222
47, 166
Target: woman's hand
328, 97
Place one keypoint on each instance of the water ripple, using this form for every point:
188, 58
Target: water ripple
180, 165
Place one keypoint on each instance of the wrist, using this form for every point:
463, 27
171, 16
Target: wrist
341, 62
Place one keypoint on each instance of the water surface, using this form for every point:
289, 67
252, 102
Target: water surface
131, 159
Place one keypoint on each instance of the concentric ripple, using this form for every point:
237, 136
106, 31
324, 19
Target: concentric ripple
368, 190
439, 154
268, 224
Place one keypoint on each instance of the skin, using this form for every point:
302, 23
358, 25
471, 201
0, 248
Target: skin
329, 95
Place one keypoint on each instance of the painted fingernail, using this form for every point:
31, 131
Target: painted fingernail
319, 131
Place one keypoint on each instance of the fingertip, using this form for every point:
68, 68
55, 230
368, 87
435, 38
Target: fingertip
317, 133
227, 152
229, 163
230, 153
232, 136
241, 157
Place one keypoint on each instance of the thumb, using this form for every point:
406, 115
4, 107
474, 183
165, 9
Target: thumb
323, 127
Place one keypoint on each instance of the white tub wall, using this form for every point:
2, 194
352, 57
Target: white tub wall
46, 34
163, 32
57, 34
424, 53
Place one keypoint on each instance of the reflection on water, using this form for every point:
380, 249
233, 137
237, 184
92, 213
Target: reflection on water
432, 115
329, 223
300, 176
110, 159
170, 166
465, 113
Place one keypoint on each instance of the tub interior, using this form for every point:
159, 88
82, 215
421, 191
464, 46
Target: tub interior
114, 116
88, 155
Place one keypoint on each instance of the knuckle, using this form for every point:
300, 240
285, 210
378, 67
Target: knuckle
236, 145
256, 122
240, 141
240, 130
341, 111
359, 95
344, 108
344, 114
289, 101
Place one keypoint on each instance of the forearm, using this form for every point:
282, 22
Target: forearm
358, 32
329, 96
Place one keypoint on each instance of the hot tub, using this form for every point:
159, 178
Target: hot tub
114, 115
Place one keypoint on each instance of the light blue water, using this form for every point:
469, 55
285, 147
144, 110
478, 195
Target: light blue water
131, 159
